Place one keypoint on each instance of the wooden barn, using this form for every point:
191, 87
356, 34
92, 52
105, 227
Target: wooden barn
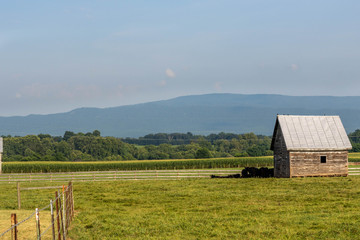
310, 146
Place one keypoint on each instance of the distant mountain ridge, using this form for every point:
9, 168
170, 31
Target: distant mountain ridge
199, 114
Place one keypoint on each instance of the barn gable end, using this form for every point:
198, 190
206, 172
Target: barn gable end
310, 146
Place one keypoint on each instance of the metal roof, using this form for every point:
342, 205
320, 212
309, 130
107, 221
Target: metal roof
312, 133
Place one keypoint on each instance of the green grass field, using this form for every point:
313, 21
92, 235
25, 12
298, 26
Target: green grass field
303, 208
25, 230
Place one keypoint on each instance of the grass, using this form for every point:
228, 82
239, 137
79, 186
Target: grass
26, 230
30, 201
302, 208
354, 154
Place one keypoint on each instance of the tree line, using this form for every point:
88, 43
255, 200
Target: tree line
185, 138
355, 140
92, 146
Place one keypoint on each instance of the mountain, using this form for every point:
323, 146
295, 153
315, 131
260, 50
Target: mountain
199, 114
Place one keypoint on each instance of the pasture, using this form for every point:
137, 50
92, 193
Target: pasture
302, 208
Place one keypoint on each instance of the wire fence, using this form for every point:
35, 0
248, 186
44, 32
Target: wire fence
118, 175
114, 175
61, 215
87, 176
354, 171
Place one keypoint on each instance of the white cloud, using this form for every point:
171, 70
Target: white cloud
294, 67
170, 73
18, 95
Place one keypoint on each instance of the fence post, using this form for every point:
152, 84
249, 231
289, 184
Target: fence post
69, 202
52, 219
63, 215
37, 217
72, 201
58, 213
18, 195
67, 208
13, 223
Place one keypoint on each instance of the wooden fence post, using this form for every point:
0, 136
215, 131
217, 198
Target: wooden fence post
67, 208
63, 214
37, 218
13, 223
18, 195
52, 219
58, 213
72, 201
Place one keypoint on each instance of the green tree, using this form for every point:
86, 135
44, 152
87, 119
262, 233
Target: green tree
68, 135
203, 153
96, 133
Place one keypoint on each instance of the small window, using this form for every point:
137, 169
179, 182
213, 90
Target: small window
323, 159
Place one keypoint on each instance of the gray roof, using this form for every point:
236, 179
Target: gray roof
313, 133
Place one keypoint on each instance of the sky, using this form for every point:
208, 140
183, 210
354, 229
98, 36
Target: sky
56, 56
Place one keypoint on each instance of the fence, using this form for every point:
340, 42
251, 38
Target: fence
113, 175
354, 171
122, 175
61, 214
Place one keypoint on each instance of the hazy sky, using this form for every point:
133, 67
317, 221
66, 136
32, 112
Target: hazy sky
59, 55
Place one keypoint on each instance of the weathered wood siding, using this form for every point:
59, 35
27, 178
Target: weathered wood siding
281, 156
304, 164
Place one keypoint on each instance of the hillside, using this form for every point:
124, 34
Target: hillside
199, 114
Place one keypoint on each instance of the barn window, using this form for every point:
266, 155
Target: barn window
323, 159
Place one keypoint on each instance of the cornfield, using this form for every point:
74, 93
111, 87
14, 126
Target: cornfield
354, 157
35, 167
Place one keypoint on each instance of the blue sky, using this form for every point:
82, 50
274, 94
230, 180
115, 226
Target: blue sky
59, 55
